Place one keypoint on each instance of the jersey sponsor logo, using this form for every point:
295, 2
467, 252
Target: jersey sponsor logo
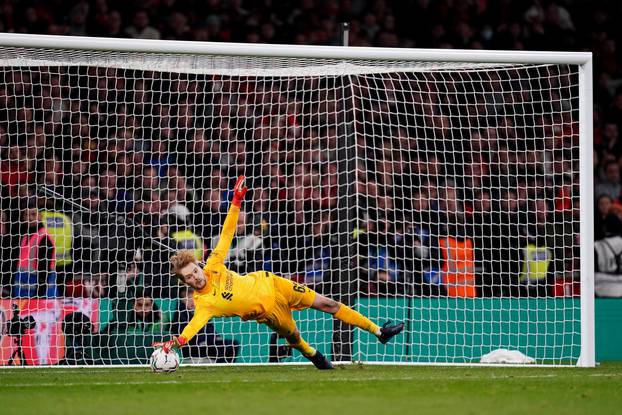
227, 296
229, 281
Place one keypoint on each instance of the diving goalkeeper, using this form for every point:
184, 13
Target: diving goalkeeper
259, 295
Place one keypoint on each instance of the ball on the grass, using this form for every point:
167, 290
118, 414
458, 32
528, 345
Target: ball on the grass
160, 361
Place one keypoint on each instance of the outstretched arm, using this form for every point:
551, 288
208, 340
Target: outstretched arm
228, 230
202, 315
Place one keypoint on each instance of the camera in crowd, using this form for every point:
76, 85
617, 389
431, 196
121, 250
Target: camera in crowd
17, 326
77, 327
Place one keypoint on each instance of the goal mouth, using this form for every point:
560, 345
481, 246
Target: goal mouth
440, 188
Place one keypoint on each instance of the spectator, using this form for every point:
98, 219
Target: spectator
210, 213
177, 27
610, 185
59, 227
384, 266
606, 222
78, 18
207, 344
15, 168
413, 244
179, 199
125, 282
115, 198
611, 139
450, 210
92, 283
292, 230
539, 262
183, 236
160, 157
124, 169
36, 267
247, 248
80, 169
456, 262
137, 315
198, 159
171, 231
7, 255
316, 249
140, 28
505, 238
149, 180
173, 203
482, 223
33, 23
147, 207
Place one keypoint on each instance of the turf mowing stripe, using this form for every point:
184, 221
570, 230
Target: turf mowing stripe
182, 382
340, 379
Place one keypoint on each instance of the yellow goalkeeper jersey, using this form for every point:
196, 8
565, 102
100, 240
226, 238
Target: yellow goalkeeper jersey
228, 293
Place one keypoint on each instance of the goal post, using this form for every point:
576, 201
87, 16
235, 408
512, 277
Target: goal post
450, 189
588, 342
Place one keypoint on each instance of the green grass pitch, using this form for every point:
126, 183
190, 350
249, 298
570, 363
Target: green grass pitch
299, 390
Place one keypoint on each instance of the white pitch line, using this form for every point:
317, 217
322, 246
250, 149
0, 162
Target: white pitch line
332, 379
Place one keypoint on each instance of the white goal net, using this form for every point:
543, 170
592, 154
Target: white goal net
442, 194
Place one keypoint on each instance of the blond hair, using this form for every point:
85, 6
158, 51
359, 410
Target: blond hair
181, 259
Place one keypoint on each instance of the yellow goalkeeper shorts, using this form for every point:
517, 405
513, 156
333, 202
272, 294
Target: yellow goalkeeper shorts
289, 296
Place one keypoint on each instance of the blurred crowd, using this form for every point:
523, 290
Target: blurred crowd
384, 193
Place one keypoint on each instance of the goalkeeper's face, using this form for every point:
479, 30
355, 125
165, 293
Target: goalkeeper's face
192, 275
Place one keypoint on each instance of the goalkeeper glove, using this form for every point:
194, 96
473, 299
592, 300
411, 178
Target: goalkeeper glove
239, 191
176, 342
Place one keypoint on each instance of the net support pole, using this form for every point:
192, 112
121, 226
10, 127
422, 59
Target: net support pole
587, 356
345, 34
345, 268
345, 272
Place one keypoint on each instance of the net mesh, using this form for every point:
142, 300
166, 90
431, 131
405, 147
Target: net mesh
444, 195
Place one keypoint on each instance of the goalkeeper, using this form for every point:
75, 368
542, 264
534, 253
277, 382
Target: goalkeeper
259, 295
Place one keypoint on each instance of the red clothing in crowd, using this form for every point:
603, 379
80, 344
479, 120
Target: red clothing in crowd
12, 174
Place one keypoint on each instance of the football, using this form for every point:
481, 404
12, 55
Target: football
160, 361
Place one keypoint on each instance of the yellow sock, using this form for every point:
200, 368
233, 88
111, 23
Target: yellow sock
303, 347
354, 318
